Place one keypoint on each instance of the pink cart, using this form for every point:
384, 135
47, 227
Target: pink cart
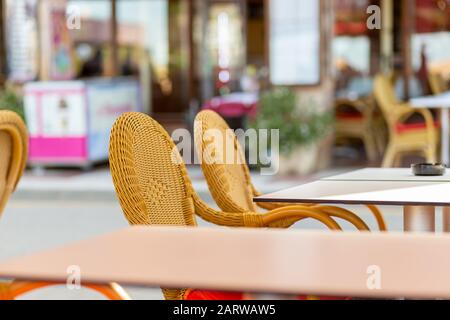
69, 121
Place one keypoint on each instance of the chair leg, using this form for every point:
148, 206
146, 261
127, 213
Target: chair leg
370, 146
380, 137
389, 156
398, 160
379, 217
381, 145
430, 155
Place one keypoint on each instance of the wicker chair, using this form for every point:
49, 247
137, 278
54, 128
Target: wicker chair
13, 155
231, 186
404, 137
437, 83
153, 186
13, 151
357, 119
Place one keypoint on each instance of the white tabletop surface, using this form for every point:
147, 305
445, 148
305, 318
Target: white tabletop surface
436, 101
387, 174
369, 186
400, 193
250, 260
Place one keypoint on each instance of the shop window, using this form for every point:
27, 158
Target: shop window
92, 40
256, 35
355, 48
225, 45
295, 42
431, 40
19, 45
143, 33
154, 43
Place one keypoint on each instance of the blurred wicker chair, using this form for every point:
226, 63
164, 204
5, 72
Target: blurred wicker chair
13, 157
404, 136
153, 186
356, 119
437, 83
13, 153
230, 184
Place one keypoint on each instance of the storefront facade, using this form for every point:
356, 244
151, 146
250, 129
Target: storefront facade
187, 51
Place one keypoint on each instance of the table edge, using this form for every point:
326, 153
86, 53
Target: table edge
350, 202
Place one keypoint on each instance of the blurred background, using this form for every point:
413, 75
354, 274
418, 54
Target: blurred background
71, 67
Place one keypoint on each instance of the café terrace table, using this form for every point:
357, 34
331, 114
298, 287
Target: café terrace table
278, 262
396, 187
442, 102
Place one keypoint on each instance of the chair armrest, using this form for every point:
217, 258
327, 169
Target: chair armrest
296, 213
12, 290
428, 117
228, 219
278, 218
378, 217
277, 205
403, 111
272, 205
363, 105
330, 210
343, 214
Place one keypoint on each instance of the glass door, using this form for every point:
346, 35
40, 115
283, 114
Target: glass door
154, 37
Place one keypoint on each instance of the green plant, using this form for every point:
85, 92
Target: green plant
298, 122
10, 100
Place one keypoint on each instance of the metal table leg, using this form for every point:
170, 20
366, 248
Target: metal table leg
445, 136
446, 219
419, 219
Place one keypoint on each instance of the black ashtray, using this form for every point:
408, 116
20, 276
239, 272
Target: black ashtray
428, 169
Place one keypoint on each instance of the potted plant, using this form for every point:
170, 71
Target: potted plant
10, 100
301, 129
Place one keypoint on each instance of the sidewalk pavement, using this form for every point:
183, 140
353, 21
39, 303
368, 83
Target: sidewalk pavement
96, 185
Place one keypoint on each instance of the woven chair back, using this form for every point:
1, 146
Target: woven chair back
385, 97
13, 153
150, 177
148, 173
223, 163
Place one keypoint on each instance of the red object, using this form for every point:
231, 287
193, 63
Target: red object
212, 295
218, 295
233, 105
430, 16
405, 127
349, 116
350, 28
232, 110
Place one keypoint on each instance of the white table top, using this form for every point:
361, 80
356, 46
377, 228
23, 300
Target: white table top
387, 174
399, 193
369, 186
437, 101
252, 260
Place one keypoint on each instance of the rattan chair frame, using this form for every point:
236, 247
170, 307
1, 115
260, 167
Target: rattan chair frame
153, 186
423, 141
218, 178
